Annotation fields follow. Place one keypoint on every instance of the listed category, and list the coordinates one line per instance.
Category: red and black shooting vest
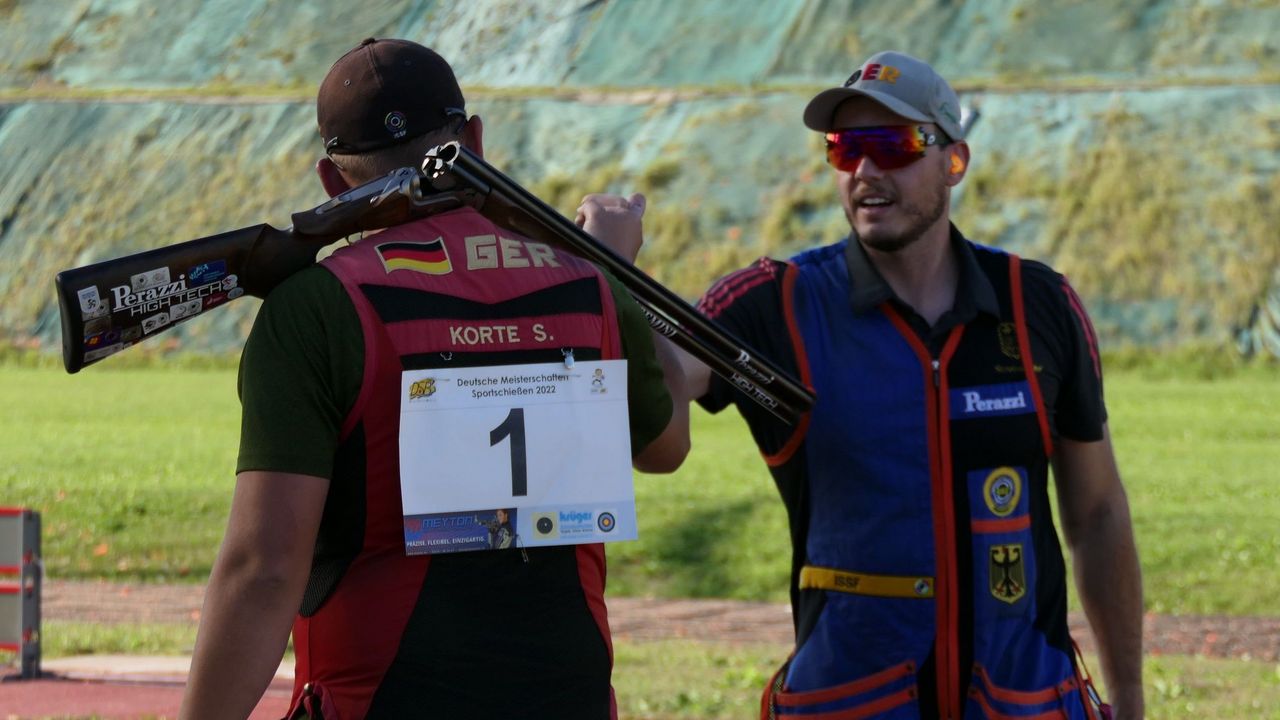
(382, 634)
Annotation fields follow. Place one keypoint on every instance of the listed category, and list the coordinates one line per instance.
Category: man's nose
(867, 169)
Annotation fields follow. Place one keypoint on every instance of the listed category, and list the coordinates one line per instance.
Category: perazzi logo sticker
(975, 403)
(161, 296)
(426, 387)
(1007, 573)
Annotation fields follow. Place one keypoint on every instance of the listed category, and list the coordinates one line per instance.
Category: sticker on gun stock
(149, 279)
(97, 326)
(205, 273)
(179, 311)
(154, 323)
(103, 352)
(91, 305)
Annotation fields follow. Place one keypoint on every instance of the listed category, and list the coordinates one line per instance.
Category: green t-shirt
(303, 364)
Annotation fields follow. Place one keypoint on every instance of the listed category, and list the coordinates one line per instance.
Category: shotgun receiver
(111, 305)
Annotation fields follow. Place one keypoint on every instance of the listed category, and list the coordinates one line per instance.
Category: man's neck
(925, 274)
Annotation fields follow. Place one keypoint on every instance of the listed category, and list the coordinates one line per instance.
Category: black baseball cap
(385, 92)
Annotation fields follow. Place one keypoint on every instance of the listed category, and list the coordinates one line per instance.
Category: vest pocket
(1060, 701)
(885, 695)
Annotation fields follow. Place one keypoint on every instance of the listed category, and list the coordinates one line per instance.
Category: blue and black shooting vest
(929, 526)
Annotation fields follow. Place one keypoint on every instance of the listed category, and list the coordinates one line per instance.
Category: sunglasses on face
(889, 146)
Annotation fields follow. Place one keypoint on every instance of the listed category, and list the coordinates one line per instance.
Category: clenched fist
(615, 221)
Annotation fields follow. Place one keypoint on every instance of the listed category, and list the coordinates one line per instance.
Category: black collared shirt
(974, 294)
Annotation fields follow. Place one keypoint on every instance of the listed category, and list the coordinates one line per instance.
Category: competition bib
(515, 455)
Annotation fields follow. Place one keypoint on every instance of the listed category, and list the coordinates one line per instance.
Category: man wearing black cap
(927, 578)
(318, 538)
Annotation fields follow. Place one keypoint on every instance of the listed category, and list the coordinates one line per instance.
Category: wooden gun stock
(109, 306)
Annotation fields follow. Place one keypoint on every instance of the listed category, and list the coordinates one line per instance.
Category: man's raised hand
(614, 220)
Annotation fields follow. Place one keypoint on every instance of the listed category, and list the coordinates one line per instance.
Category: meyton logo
(426, 387)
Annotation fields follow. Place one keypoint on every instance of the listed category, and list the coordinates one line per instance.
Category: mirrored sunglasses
(889, 146)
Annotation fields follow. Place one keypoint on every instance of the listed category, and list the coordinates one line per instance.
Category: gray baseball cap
(899, 82)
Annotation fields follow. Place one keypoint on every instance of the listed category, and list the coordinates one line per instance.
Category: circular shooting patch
(1002, 491)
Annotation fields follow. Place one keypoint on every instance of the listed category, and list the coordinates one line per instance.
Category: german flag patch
(429, 257)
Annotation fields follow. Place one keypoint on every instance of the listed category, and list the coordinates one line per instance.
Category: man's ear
(331, 177)
(959, 160)
(473, 135)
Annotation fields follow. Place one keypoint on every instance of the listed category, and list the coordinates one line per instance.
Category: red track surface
(116, 700)
(632, 620)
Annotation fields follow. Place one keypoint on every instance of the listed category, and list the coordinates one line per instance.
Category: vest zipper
(942, 489)
(948, 661)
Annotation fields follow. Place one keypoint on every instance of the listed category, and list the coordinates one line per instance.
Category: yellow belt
(898, 586)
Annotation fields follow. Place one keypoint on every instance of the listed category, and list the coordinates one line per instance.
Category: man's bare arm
(254, 592)
(667, 451)
(1095, 520)
(617, 222)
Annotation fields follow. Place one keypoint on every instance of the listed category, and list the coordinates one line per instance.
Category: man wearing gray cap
(927, 577)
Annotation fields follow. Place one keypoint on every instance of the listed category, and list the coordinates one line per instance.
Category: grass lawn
(61, 638)
(1201, 461)
(670, 679)
(132, 468)
(132, 471)
(687, 679)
